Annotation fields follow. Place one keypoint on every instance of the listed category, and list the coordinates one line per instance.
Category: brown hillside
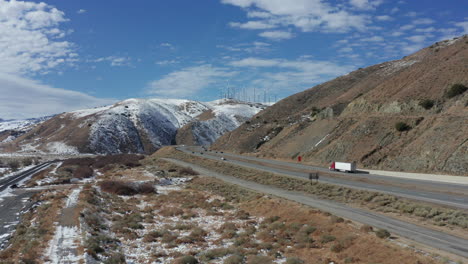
(353, 117)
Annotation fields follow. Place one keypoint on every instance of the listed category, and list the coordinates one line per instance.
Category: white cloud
(397, 34)
(30, 38)
(373, 39)
(189, 81)
(346, 50)
(412, 14)
(306, 15)
(167, 62)
(167, 45)
(254, 47)
(425, 30)
(81, 11)
(406, 27)
(252, 25)
(365, 4)
(423, 21)
(24, 98)
(384, 18)
(417, 38)
(277, 35)
(411, 48)
(293, 75)
(463, 25)
(115, 61)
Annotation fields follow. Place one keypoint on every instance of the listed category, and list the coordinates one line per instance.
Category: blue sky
(60, 55)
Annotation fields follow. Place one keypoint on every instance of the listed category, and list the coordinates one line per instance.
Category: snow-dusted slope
(11, 129)
(226, 115)
(136, 125)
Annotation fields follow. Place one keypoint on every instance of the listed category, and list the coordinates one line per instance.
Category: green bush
(455, 90)
(382, 233)
(427, 104)
(402, 126)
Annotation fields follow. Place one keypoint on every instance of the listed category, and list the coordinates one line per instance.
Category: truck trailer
(343, 166)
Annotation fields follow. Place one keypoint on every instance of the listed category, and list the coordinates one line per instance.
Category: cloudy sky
(58, 56)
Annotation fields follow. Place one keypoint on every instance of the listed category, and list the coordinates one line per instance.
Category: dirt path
(429, 237)
(63, 247)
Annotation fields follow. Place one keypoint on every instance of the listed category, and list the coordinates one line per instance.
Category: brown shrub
(188, 171)
(126, 188)
(171, 211)
(366, 228)
(118, 187)
(146, 188)
(83, 172)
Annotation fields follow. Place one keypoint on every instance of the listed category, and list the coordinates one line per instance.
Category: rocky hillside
(409, 115)
(134, 125)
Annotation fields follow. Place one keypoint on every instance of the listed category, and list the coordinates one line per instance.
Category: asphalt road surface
(4, 184)
(432, 238)
(438, 193)
(15, 203)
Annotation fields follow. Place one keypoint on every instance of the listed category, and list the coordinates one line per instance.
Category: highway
(12, 206)
(445, 194)
(4, 184)
(432, 238)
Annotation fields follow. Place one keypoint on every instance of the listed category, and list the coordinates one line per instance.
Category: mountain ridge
(130, 126)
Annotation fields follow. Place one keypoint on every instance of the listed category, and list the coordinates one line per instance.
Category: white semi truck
(343, 166)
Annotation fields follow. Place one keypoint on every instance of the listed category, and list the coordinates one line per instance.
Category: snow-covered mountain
(135, 125)
(11, 129)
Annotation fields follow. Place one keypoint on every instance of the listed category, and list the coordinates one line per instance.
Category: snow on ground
(63, 247)
(20, 124)
(86, 112)
(73, 198)
(61, 148)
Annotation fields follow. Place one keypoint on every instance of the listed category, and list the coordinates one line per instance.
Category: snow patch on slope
(61, 148)
(229, 115)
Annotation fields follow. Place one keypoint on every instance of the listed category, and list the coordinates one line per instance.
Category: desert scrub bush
(259, 260)
(402, 126)
(337, 247)
(366, 228)
(335, 219)
(171, 211)
(188, 171)
(455, 90)
(153, 236)
(294, 260)
(132, 221)
(186, 260)
(382, 233)
(234, 259)
(83, 172)
(115, 258)
(327, 238)
(427, 104)
(14, 165)
(215, 253)
(126, 188)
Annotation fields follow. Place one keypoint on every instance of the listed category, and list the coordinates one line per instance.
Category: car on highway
(14, 186)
